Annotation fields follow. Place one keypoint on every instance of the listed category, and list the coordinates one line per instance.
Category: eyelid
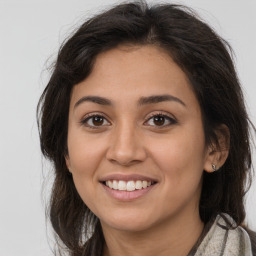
(160, 113)
(86, 117)
(167, 115)
(164, 114)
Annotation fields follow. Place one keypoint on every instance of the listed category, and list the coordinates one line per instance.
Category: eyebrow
(142, 101)
(159, 98)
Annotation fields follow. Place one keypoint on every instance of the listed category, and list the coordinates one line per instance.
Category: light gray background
(31, 32)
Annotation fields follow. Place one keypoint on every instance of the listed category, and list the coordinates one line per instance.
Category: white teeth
(110, 184)
(129, 185)
(144, 184)
(115, 184)
(138, 184)
(121, 185)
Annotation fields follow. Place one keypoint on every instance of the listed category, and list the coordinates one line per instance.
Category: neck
(171, 237)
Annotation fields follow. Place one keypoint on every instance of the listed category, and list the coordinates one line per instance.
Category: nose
(126, 146)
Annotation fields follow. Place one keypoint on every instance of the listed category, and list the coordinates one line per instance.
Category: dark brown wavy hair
(207, 61)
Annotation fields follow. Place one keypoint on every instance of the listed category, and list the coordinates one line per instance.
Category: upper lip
(126, 177)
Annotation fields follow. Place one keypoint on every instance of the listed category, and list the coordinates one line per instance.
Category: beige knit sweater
(223, 241)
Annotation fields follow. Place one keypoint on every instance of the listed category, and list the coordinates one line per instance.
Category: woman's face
(136, 145)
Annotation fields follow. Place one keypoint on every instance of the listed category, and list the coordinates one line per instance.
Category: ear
(217, 153)
(68, 163)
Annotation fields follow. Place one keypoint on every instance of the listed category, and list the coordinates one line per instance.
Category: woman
(145, 123)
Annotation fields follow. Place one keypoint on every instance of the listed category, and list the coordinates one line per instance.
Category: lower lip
(127, 195)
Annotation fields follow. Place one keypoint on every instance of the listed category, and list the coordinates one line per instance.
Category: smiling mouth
(130, 185)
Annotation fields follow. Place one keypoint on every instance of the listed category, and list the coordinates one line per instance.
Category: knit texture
(223, 241)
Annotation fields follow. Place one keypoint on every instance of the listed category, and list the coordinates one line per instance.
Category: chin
(128, 222)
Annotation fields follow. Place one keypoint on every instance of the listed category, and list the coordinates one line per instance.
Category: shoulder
(247, 236)
(252, 236)
(226, 238)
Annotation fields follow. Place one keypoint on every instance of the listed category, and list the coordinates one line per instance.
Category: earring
(214, 167)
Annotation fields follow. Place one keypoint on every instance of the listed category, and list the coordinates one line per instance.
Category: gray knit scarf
(223, 241)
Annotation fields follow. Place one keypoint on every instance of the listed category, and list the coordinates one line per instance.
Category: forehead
(129, 72)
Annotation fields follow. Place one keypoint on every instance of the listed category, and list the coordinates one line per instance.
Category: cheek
(178, 150)
(180, 157)
(85, 156)
(181, 164)
(85, 153)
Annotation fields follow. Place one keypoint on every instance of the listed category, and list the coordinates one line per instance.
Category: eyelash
(169, 118)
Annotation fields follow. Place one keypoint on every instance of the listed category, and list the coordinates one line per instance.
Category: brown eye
(160, 120)
(95, 121)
